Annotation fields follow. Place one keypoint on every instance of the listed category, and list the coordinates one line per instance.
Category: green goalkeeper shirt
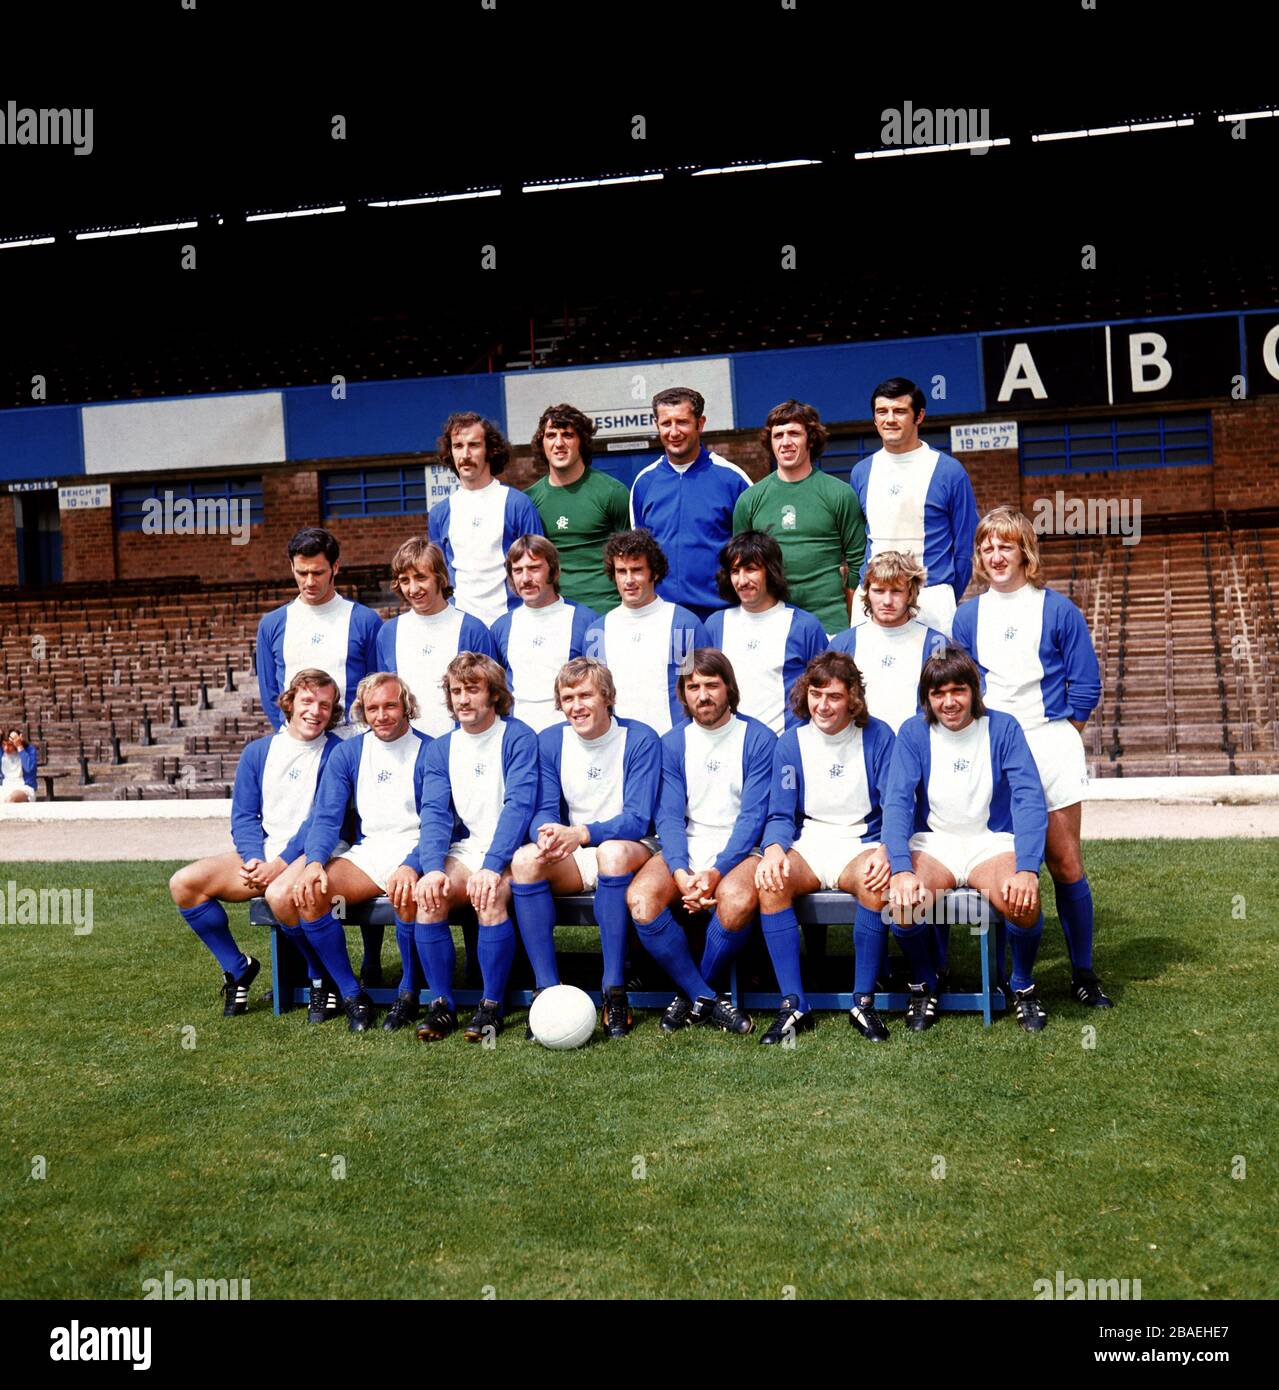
(819, 525)
(579, 518)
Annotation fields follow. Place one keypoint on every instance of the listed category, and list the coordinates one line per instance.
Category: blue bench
(816, 913)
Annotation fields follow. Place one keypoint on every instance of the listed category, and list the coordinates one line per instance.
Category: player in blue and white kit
(964, 808)
(645, 641)
(534, 640)
(594, 826)
(918, 500)
(823, 832)
(717, 768)
(685, 499)
(381, 771)
(767, 640)
(479, 790)
(319, 628)
(1037, 663)
(419, 644)
(890, 649)
(476, 525)
(275, 783)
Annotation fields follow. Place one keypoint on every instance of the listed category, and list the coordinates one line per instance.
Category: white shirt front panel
(755, 644)
(289, 775)
(384, 785)
(318, 635)
(477, 780)
(895, 496)
(424, 646)
(713, 776)
(637, 642)
(836, 792)
(537, 646)
(960, 781)
(11, 769)
(1009, 629)
(889, 659)
(476, 524)
(591, 774)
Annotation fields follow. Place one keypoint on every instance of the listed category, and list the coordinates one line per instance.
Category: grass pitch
(960, 1163)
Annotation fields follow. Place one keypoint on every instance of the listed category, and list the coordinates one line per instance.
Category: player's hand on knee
(482, 888)
(313, 880)
(431, 891)
(878, 873)
(774, 870)
(399, 888)
(1021, 893)
(904, 891)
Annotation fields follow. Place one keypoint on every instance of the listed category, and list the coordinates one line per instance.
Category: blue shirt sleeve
(437, 529)
(1083, 674)
(1029, 809)
(500, 636)
(877, 753)
(963, 528)
(550, 800)
(907, 770)
(584, 619)
(30, 760)
(805, 640)
(757, 781)
(332, 797)
(270, 629)
(519, 772)
(475, 637)
(786, 795)
(437, 818)
(362, 647)
(593, 641)
(386, 645)
(641, 776)
(672, 805)
(246, 801)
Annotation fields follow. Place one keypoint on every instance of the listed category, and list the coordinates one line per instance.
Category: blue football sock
(314, 965)
(209, 922)
(941, 944)
(411, 975)
(1001, 951)
(668, 946)
(722, 949)
(918, 944)
(1025, 944)
(438, 955)
(496, 951)
(1074, 907)
(613, 917)
(329, 943)
(372, 938)
(535, 916)
(781, 936)
(870, 944)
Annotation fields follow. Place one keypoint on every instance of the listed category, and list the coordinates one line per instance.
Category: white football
(562, 1016)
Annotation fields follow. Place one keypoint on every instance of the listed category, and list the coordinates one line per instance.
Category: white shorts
(936, 608)
(703, 851)
(468, 852)
(379, 856)
(828, 851)
(7, 789)
(588, 867)
(1058, 750)
(961, 854)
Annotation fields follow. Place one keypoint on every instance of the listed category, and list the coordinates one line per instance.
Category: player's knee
(641, 904)
(772, 900)
(875, 902)
(1065, 868)
(1024, 920)
(614, 857)
(182, 888)
(735, 908)
(526, 867)
(280, 901)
